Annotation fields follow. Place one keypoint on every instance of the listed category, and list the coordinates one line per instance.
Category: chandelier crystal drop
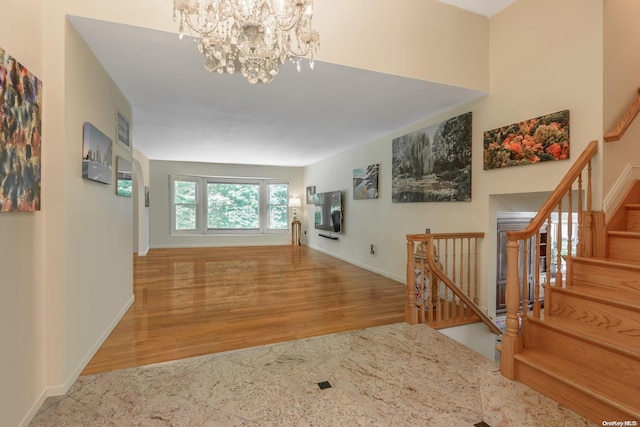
(253, 36)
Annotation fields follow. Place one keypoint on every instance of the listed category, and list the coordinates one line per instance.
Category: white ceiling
(183, 112)
(482, 7)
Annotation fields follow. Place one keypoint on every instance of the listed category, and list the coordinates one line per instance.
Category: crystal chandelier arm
(309, 40)
(187, 8)
(291, 21)
(253, 36)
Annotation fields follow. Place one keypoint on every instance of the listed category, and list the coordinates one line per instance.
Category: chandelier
(255, 36)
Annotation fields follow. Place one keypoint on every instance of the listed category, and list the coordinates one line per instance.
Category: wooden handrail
(415, 311)
(464, 298)
(426, 237)
(557, 195)
(625, 121)
(516, 297)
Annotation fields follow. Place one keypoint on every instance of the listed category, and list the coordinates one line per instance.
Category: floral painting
(365, 183)
(20, 136)
(532, 141)
(433, 164)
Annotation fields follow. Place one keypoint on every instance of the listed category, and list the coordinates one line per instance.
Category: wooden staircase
(584, 350)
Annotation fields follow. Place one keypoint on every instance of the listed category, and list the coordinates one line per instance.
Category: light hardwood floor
(190, 302)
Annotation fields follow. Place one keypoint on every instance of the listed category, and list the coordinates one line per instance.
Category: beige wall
(141, 173)
(621, 83)
(528, 80)
(21, 253)
(159, 213)
(422, 39)
(97, 221)
(68, 274)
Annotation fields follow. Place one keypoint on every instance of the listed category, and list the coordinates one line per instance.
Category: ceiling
(487, 8)
(182, 112)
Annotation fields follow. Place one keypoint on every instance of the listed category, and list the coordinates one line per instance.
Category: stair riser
(624, 248)
(610, 319)
(596, 357)
(610, 277)
(595, 410)
(633, 219)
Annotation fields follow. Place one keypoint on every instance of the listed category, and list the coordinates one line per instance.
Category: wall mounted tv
(328, 211)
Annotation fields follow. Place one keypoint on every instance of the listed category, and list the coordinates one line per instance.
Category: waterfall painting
(365, 183)
(433, 164)
(20, 136)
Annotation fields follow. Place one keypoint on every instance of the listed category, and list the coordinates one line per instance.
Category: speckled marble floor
(395, 375)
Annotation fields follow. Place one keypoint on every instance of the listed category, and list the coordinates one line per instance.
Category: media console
(328, 236)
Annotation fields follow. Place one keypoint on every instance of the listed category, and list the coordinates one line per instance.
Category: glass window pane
(185, 217)
(233, 206)
(278, 217)
(185, 192)
(278, 194)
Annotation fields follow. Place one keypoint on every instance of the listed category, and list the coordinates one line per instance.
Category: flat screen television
(328, 211)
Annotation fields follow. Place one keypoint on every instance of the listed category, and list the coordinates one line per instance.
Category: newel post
(410, 311)
(511, 340)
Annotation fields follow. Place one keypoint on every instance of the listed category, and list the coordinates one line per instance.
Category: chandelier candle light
(254, 35)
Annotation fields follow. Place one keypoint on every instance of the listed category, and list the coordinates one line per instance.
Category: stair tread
(596, 383)
(629, 300)
(632, 206)
(593, 334)
(612, 262)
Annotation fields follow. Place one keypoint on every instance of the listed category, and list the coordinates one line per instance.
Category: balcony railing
(442, 280)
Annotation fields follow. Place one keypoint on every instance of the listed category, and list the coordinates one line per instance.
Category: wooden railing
(571, 196)
(625, 121)
(442, 280)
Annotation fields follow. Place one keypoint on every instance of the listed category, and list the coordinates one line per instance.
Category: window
(277, 211)
(185, 204)
(233, 205)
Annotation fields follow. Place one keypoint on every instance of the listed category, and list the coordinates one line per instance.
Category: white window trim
(172, 187)
(264, 212)
(202, 226)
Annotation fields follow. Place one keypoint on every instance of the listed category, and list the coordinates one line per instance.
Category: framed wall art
(97, 155)
(20, 136)
(124, 176)
(433, 164)
(365, 182)
(529, 142)
(311, 192)
(123, 131)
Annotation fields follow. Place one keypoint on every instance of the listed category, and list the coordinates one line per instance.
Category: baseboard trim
(64, 388)
(31, 413)
(215, 245)
(402, 280)
(619, 189)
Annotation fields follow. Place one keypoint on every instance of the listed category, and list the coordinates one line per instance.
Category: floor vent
(324, 384)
